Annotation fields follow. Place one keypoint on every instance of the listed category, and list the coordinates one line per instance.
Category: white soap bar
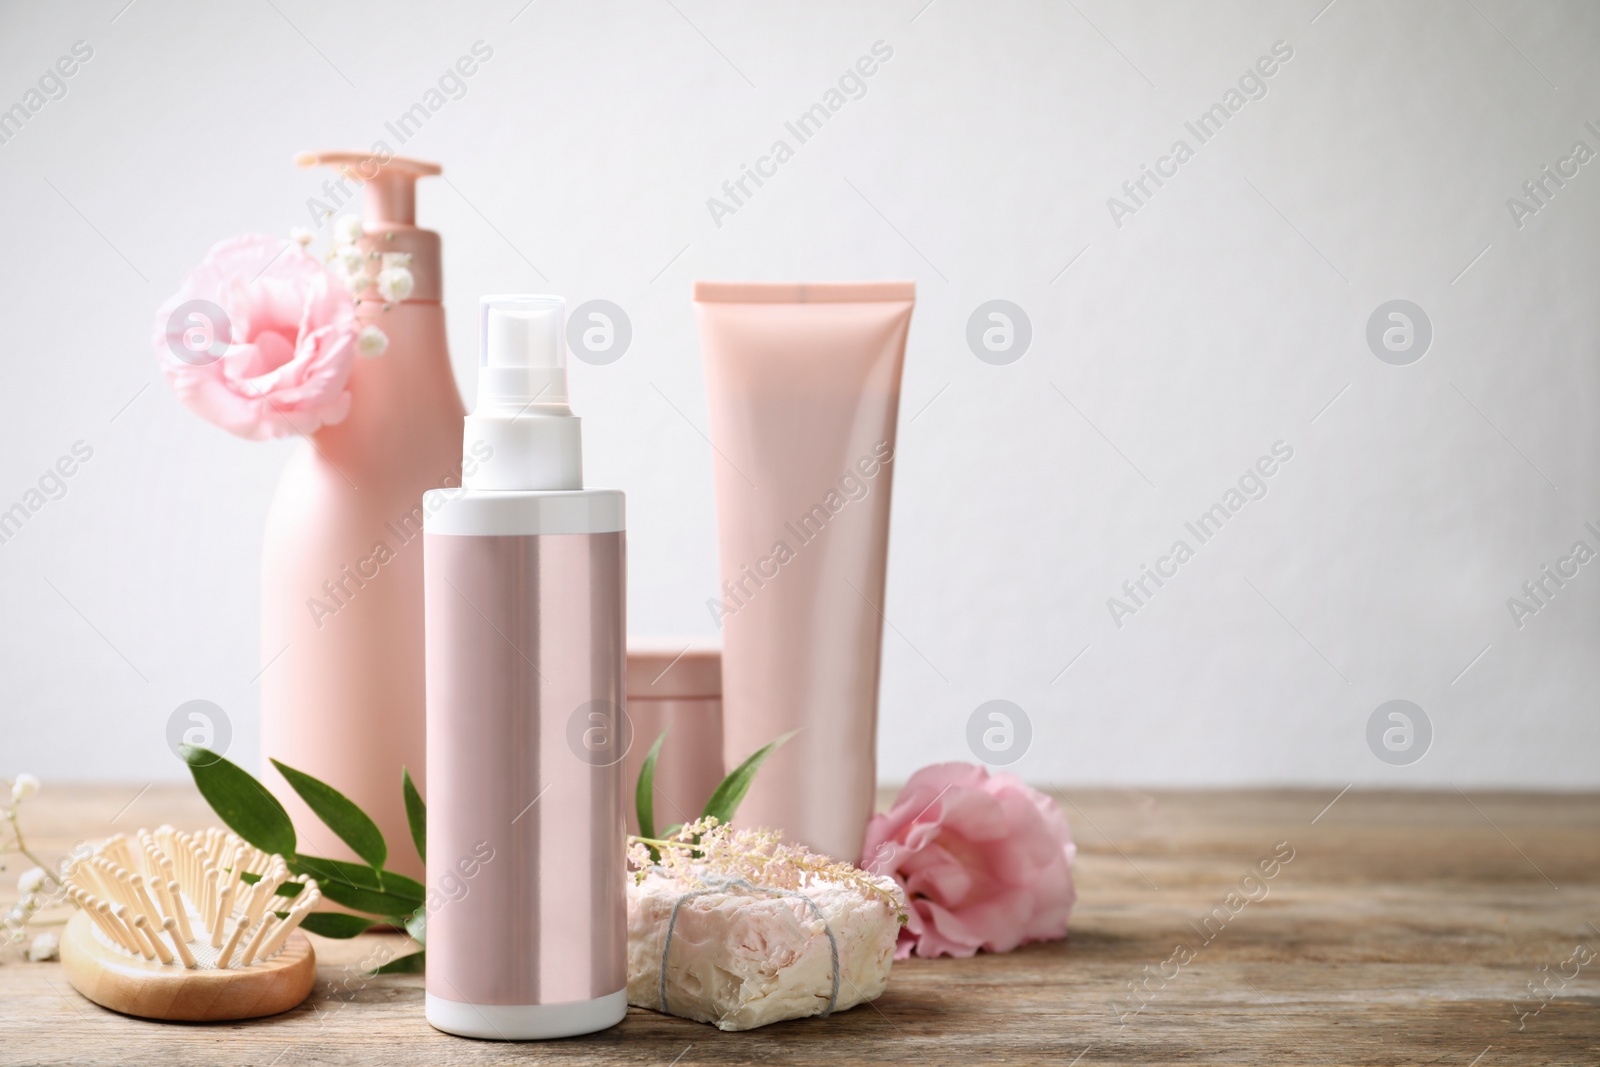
(741, 958)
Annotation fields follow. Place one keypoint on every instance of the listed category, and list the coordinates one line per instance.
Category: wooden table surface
(1407, 928)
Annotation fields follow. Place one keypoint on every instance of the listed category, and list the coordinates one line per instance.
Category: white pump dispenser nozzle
(523, 359)
(522, 435)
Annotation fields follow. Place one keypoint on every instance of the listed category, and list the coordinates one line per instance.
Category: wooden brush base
(150, 990)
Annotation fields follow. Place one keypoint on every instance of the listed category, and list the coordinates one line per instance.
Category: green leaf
(410, 964)
(326, 870)
(644, 794)
(382, 893)
(417, 926)
(339, 813)
(336, 924)
(356, 874)
(725, 799)
(241, 802)
(370, 901)
(399, 884)
(416, 814)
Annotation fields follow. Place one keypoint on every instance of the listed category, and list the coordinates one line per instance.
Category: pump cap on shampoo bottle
(532, 436)
(388, 210)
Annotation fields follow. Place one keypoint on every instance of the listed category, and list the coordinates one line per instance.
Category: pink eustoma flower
(985, 861)
(277, 359)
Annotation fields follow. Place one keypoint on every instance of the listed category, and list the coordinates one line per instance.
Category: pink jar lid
(666, 669)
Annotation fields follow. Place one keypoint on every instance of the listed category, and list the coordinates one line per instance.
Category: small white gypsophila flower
(300, 236)
(348, 230)
(350, 259)
(371, 341)
(31, 880)
(24, 786)
(396, 259)
(395, 284)
(360, 283)
(44, 947)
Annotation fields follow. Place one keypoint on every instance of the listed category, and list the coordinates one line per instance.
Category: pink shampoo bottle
(526, 635)
(341, 567)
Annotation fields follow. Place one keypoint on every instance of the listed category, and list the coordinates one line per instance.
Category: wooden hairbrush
(191, 927)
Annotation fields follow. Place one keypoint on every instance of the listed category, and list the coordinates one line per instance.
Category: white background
(1222, 317)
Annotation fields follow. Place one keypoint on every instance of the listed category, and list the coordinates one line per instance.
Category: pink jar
(679, 690)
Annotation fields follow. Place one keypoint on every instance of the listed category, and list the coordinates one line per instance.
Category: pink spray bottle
(525, 616)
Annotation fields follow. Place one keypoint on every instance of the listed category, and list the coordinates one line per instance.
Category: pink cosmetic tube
(804, 383)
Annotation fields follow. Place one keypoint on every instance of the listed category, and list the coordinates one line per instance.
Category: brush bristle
(184, 899)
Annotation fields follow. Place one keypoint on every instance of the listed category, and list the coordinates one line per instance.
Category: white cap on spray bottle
(522, 415)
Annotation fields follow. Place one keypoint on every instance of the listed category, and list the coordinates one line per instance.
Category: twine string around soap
(741, 883)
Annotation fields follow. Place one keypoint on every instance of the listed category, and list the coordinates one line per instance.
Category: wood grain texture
(1407, 928)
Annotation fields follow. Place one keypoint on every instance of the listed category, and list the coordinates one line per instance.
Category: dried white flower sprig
(387, 273)
(37, 885)
(24, 787)
(347, 230)
(46, 946)
(709, 850)
(394, 279)
(371, 341)
(352, 261)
